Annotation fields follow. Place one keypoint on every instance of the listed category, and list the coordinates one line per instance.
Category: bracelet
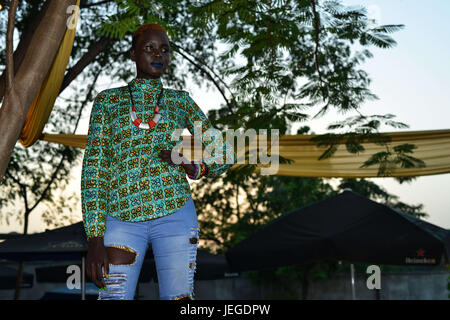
(196, 170)
(199, 172)
(201, 169)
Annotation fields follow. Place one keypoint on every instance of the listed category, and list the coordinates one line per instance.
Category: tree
(282, 42)
(21, 88)
(285, 41)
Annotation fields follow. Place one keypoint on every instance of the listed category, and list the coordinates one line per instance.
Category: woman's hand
(96, 259)
(166, 155)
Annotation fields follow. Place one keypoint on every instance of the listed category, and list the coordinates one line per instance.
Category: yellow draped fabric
(42, 106)
(433, 147)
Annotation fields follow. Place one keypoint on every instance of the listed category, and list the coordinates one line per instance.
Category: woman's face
(151, 54)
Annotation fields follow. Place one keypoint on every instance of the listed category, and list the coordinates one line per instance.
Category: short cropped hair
(144, 28)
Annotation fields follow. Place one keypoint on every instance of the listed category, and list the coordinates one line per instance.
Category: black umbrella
(345, 227)
(66, 243)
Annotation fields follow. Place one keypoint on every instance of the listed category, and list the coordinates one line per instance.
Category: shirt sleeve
(220, 153)
(95, 172)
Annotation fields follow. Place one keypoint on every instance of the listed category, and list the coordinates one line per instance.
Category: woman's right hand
(96, 259)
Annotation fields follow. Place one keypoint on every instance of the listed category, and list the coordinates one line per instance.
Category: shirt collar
(146, 84)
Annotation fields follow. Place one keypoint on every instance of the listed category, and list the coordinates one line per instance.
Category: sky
(410, 79)
(412, 82)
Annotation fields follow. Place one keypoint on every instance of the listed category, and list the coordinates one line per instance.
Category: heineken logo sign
(420, 258)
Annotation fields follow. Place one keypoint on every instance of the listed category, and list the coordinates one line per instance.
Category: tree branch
(9, 45)
(14, 179)
(209, 68)
(316, 51)
(177, 49)
(98, 47)
(83, 4)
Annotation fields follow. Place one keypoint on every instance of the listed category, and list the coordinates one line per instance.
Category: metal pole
(137, 291)
(83, 278)
(352, 271)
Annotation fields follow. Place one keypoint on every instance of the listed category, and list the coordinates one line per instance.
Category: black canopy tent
(66, 243)
(8, 277)
(346, 227)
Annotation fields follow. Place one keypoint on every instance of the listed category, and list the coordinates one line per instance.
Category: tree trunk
(18, 281)
(32, 72)
(20, 270)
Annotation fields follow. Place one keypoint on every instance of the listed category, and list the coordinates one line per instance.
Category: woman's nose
(156, 52)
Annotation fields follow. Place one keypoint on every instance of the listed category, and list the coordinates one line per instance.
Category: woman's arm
(95, 171)
(221, 155)
(189, 168)
(95, 179)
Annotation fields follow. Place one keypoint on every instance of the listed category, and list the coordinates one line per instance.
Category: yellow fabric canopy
(42, 106)
(433, 147)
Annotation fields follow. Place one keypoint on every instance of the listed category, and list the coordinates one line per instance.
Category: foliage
(284, 42)
(281, 43)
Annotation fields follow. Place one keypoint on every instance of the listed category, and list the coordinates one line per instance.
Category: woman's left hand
(166, 155)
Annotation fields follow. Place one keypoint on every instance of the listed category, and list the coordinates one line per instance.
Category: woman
(133, 193)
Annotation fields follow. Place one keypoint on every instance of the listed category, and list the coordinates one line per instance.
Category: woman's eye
(150, 47)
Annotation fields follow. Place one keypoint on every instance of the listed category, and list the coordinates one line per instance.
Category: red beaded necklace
(138, 122)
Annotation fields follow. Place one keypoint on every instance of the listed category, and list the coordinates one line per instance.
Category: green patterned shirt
(121, 175)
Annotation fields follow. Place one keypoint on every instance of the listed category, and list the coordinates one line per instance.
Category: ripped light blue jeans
(174, 241)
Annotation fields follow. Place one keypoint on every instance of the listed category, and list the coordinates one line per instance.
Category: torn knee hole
(193, 240)
(118, 254)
